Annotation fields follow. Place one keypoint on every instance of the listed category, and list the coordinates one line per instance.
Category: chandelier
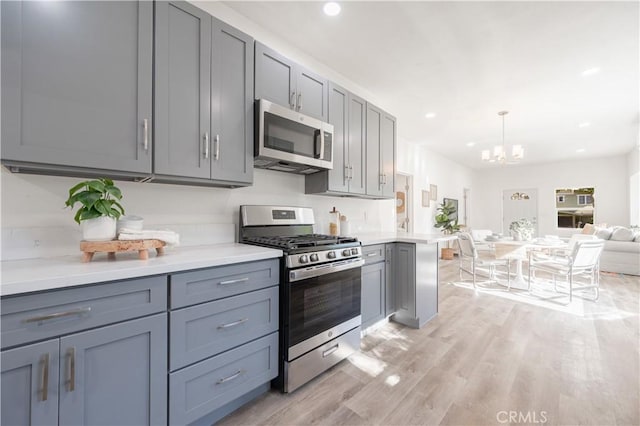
(500, 151)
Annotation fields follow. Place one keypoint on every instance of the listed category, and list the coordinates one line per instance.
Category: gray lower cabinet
(203, 98)
(373, 293)
(282, 81)
(347, 114)
(224, 339)
(77, 86)
(380, 155)
(104, 361)
(390, 295)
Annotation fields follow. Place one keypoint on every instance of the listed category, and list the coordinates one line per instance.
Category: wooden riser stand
(89, 248)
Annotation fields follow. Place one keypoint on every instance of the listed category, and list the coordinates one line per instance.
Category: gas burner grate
(300, 241)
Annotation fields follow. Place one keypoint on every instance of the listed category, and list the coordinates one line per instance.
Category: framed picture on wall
(453, 216)
(433, 192)
(425, 198)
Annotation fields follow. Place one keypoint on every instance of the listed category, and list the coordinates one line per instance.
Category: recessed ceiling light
(591, 71)
(471, 144)
(331, 8)
(580, 150)
(430, 115)
(585, 124)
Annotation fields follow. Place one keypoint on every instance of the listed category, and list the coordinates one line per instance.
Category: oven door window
(289, 136)
(319, 303)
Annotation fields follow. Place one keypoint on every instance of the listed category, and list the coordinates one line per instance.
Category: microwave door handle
(321, 144)
(317, 141)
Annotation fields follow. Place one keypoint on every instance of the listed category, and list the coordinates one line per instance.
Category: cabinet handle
(299, 103)
(71, 368)
(42, 318)
(351, 172)
(292, 100)
(346, 174)
(145, 131)
(384, 179)
(233, 324)
(380, 183)
(372, 254)
(330, 351)
(239, 280)
(231, 377)
(45, 376)
(206, 144)
(216, 154)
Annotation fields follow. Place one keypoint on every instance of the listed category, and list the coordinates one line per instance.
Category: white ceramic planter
(99, 229)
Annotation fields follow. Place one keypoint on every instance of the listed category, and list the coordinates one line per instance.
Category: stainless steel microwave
(291, 142)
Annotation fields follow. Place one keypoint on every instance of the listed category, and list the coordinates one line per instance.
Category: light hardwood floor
(483, 359)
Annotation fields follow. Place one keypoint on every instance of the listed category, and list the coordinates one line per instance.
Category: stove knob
(303, 259)
(354, 251)
(331, 255)
(346, 252)
(313, 257)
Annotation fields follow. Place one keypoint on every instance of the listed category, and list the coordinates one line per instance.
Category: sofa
(621, 248)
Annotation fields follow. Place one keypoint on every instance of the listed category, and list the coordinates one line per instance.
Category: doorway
(519, 204)
(404, 203)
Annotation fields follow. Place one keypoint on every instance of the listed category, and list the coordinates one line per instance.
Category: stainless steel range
(319, 291)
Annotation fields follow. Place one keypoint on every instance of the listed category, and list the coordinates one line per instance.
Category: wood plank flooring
(488, 358)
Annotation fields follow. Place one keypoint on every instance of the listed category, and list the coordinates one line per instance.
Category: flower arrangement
(522, 229)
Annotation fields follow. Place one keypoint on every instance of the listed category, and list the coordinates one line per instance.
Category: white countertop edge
(31, 275)
(391, 237)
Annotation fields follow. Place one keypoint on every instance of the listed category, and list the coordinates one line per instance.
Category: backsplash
(36, 224)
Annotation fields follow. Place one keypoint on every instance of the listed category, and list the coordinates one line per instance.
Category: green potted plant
(522, 229)
(445, 220)
(99, 208)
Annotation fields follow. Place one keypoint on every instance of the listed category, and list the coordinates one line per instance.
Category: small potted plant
(444, 219)
(99, 208)
(522, 229)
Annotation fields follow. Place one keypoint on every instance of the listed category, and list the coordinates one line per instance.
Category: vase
(516, 236)
(101, 228)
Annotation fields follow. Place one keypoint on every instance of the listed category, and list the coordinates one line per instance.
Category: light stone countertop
(368, 239)
(23, 276)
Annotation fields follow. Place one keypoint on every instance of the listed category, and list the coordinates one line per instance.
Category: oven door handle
(330, 268)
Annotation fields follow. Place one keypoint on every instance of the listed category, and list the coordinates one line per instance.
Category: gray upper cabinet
(347, 114)
(381, 140)
(204, 97)
(232, 104)
(182, 90)
(284, 82)
(77, 85)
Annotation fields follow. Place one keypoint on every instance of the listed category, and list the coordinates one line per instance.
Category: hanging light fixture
(499, 153)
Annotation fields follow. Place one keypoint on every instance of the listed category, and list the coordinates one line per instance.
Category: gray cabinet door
(357, 144)
(405, 274)
(76, 84)
(275, 77)
(339, 117)
(311, 93)
(115, 375)
(232, 104)
(390, 279)
(373, 293)
(182, 91)
(374, 133)
(387, 154)
(30, 384)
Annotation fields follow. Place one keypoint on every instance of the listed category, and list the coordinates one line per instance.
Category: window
(574, 207)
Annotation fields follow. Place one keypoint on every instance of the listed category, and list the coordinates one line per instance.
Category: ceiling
(465, 61)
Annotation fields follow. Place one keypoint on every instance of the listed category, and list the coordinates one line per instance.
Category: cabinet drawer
(205, 330)
(58, 312)
(202, 388)
(189, 288)
(373, 254)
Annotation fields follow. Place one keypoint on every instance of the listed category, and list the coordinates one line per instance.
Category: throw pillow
(620, 233)
(588, 229)
(603, 233)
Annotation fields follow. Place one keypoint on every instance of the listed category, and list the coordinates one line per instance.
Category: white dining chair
(478, 259)
(582, 261)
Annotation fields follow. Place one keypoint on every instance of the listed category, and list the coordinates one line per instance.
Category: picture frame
(425, 198)
(433, 192)
(453, 201)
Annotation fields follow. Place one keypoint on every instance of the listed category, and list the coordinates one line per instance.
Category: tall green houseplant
(444, 218)
(97, 198)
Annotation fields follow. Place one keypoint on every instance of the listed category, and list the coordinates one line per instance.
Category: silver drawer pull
(48, 317)
(45, 376)
(231, 377)
(239, 280)
(372, 254)
(233, 324)
(71, 368)
(145, 131)
(330, 351)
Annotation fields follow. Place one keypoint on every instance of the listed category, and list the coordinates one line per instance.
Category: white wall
(633, 171)
(607, 175)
